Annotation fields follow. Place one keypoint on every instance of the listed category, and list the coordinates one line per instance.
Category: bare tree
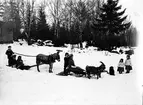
(26, 13)
(6, 15)
(11, 13)
(22, 10)
(55, 8)
(81, 13)
(68, 14)
(94, 11)
(15, 16)
(75, 13)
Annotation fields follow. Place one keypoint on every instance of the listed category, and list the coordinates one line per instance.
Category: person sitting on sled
(20, 64)
(73, 68)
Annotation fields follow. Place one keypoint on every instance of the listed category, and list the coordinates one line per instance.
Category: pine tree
(111, 23)
(28, 20)
(42, 26)
(33, 26)
(42, 18)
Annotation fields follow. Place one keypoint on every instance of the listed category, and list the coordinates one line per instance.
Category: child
(66, 60)
(121, 66)
(9, 54)
(19, 64)
(71, 63)
(128, 65)
(13, 61)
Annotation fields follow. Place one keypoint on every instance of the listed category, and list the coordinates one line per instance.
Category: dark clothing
(128, 68)
(66, 61)
(120, 69)
(111, 71)
(77, 70)
(10, 62)
(9, 54)
(25, 67)
(19, 63)
(13, 62)
(71, 63)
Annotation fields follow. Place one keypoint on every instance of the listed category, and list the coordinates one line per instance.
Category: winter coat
(121, 64)
(13, 61)
(19, 63)
(128, 62)
(9, 53)
(71, 63)
(66, 61)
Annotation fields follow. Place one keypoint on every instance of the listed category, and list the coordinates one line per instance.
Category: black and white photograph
(71, 52)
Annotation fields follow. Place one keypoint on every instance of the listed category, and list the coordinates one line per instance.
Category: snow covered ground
(30, 87)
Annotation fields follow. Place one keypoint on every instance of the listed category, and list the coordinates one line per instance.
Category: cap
(9, 46)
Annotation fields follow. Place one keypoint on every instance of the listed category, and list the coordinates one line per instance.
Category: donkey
(47, 59)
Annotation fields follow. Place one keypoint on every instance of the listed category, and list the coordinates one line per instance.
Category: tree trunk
(80, 35)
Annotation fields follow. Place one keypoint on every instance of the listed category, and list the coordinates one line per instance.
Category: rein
(24, 55)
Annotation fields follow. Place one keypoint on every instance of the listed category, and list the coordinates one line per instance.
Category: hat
(9, 46)
(71, 55)
(66, 53)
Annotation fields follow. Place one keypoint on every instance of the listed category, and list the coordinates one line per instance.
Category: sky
(135, 11)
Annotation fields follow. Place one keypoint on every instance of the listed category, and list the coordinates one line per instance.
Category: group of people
(68, 63)
(13, 62)
(127, 65)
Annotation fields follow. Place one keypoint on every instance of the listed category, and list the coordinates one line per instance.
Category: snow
(30, 87)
